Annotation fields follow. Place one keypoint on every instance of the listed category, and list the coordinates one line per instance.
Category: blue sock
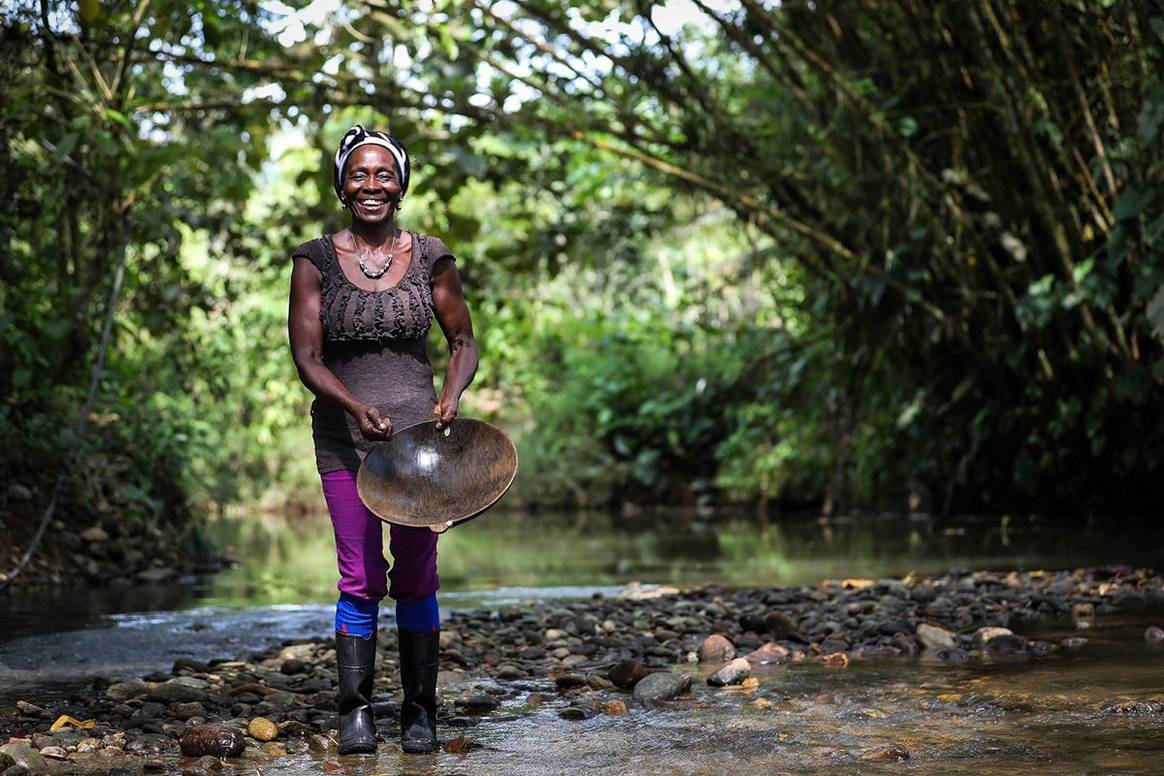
(422, 615)
(356, 616)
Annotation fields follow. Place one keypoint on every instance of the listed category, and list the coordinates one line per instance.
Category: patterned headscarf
(358, 136)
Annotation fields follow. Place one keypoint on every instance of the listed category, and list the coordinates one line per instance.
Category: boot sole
(419, 747)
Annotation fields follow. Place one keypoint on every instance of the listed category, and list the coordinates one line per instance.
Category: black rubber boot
(356, 659)
(418, 676)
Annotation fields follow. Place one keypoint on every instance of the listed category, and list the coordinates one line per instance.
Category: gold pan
(427, 477)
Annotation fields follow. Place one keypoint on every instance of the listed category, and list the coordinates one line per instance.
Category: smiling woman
(362, 302)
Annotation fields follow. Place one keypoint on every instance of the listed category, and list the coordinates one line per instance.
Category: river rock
(778, 625)
(1154, 635)
(25, 755)
(213, 740)
(661, 686)
(94, 535)
(934, 637)
(1005, 646)
(887, 754)
(716, 649)
(6, 761)
(262, 729)
(155, 576)
(16, 770)
(293, 666)
(321, 744)
(614, 708)
(983, 635)
(627, 673)
(733, 673)
(769, 654)
(184, 689)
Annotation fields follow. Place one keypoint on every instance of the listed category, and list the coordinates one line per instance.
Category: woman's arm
(453, 315)
(306, 332)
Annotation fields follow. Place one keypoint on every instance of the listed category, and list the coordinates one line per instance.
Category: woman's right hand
(373, 426)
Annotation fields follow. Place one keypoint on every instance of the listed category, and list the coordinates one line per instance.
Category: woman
(362, 302)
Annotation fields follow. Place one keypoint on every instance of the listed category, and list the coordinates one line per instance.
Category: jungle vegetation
(830, 254)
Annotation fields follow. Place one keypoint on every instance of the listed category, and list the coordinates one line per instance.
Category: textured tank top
(374, 342)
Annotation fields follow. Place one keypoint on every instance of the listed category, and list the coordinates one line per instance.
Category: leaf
(65, 719)
(1156, 312)
(1132, 202)
(88, 11)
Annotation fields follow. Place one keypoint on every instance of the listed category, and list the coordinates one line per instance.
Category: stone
(94, 534)
(189, 664)
(155, 576)
(887, 754)
(321, 744)
(566, 681)
(24, 755)
(16, 770)
(661, 686)
(509, 672)
(732, 673)
(293, 666)
(54, 753)
(934, 637)
(449, 637)
(212, 740)
(769, 654)
(180, 690)
(626, 673)
(983, 635)
(477, 702)
(262, 729)
(154, 764)
(614, 708)
(1074, 642)
(716, 649)
(1154, 635)
(1005, 646)
(779, 626)
(6, 761)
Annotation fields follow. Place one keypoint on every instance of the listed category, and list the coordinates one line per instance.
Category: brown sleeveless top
(374, 342)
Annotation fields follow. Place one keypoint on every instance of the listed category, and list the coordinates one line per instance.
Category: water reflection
(290, 561)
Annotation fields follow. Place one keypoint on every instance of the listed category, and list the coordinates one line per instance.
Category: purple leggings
(359, 548)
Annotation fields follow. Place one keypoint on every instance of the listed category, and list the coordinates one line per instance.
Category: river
(1037, 714)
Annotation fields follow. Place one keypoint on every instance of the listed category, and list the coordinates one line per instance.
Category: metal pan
(427, 477)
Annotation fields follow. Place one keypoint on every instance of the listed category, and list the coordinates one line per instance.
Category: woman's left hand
(445, 410)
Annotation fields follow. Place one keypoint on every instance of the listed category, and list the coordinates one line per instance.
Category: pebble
(627, 673)
(262, 729)
(661, 686)
(983, 635)
(25, 755)
(770, 653)
(716, 649)
(934, 637)
(614, 708)
(888, 754)
(1154, 635)
(732, 673)
(123, 691)
(212, 740)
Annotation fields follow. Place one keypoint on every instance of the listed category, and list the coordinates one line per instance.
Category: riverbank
(101, 553)
(602, 661)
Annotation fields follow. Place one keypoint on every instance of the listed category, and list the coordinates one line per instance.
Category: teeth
(371, 202)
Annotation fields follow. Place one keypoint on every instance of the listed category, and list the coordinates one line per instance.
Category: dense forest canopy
(889, 255)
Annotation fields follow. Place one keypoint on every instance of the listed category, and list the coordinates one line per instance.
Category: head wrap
(358, 136)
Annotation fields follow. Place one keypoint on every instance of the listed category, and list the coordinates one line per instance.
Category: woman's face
(372, 184)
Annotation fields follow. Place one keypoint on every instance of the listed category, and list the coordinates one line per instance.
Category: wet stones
(627, 673)
(934, 637)
(769, 654)
(661, 686)
(212, 740)
(887, 754)
(716, 649)
(262, 729)
(123, 691)
(183, 689)
(732, 673)
(23, 755)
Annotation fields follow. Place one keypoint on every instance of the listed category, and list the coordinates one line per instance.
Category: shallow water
(1041, 716)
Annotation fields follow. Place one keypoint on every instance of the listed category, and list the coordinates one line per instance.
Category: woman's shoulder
(315, 250)
(433, 248)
